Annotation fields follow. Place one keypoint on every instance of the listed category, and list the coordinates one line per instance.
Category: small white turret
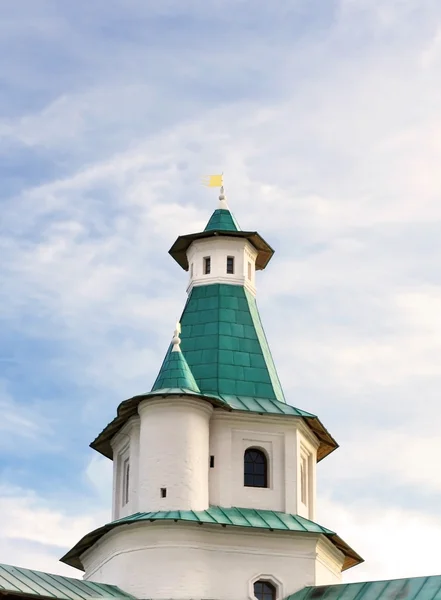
(174, 439)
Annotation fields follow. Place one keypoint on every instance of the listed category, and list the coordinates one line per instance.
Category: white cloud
(394, 542)
(374, 456)
(24, 423)
(35, 535)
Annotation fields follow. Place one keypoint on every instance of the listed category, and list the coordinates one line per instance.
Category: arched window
(264, 590)
(255, 468)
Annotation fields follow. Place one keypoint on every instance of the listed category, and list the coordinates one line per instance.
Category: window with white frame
(207, 265)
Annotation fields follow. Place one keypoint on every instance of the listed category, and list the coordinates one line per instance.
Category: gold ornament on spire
(213, 180)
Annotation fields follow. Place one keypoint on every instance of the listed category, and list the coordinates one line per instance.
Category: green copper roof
(413, 588)
(225, 345)
(261, 406)
(175, 373)
(24, 582)
(222, 220)
(215, 515)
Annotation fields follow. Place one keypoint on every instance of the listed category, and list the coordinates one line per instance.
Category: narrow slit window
(125, 481)
(249, 270)
(211, 462)
(207, 265)
(163, 492)
(304, 480)
(191, 270)
(230, 265)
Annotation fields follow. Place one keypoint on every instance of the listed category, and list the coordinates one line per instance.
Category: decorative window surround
(125, 480)
(275, 583)
(125, 445)
(306, 487)
(231, 436)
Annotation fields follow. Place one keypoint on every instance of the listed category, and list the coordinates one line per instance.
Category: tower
(214, 472)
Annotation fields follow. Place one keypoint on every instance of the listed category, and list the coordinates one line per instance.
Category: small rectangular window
(304, 480)
(191, 270)
(207, 265)
(249, 270)
(211, 462)
(125, 481)
(163, 492)
(230, 265)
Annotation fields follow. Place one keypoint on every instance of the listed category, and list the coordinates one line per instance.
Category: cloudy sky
(325, 117)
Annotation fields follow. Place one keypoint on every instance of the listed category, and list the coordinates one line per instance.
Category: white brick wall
(175, 560)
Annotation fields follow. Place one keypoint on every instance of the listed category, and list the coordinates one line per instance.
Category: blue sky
(325, 118)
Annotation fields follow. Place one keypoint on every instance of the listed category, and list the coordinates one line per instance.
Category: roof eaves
(129, 408)
(179, 248)
(216, 515)
(327, 443)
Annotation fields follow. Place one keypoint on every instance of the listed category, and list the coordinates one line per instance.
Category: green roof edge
(412, 588)
(217, 515)
(22, 582)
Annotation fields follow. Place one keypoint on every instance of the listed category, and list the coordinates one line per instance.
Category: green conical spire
(175, 372)
(225, 345)
(222, 219)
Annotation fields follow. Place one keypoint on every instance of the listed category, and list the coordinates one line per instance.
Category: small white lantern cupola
(222, 253)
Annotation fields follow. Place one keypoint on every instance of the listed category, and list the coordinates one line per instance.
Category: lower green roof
(226, 517)
(413, 588)
(27, 583)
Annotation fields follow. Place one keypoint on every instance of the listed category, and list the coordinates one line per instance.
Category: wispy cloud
(36, 534)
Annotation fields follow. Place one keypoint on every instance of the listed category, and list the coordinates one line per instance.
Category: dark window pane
(264, 590)
(207, 265)
(230, 264)
(255, 468)
(249, 480)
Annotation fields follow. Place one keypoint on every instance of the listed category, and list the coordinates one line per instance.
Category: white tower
(214, 473)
